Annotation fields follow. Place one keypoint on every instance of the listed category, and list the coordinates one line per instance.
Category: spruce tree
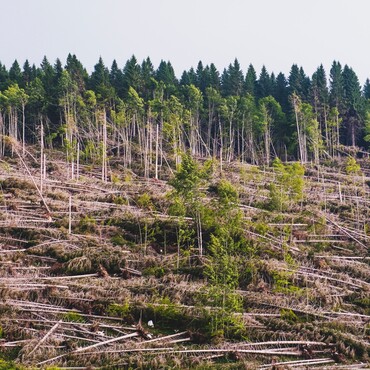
(188, 77)
(77, 72)
(366, 89)
(203, 77)
(281, 92)
(214, 77)
(166, 74)
(305, 84)
(232, 80)
(320, 101)
(131, 75)
(4, 77)
(354, 105)
(116, 79)
(15, 73)
(336, 86)
(147, 80)
(100, 84)
(27, 74)
(264, 86)
(250, 81)
(294, 81)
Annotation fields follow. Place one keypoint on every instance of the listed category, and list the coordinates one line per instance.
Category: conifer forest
(215, 220)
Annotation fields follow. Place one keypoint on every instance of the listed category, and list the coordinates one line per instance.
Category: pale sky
(276, 33)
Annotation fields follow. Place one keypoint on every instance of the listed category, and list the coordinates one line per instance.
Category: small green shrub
(120, 310)
(86, 224)
(144, 201)
(119, 200)
(283, 284)
(352, 167)
(156, 271)
(288, 315)
(5, 365)
(115, 178)
(73, 316)
(118, 240)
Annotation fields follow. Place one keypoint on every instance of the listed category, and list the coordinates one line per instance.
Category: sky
(274, 33)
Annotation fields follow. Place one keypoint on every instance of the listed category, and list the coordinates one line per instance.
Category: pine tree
(148, 82)
(250, 81)
(320, 102)
(200, 75)
(131, 75)
(264, 86)
(4, 77)
(166, 74)
(336, 86)
(273, 84)
(77, 72)
(294, 80)
(15, 73)
(99, 82)
(214, 77)
(354, 104)
(188, 77)
(116, 79)
(49, 80)
(305, 84)
(232, 80)
(281, 92)
(47, 76)
(203, 78)
(58, 69)
(366, 89)
(27, 74)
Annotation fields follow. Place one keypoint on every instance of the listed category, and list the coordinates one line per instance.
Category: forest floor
(95, 274)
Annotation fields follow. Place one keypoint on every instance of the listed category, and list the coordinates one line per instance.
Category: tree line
(139, 113)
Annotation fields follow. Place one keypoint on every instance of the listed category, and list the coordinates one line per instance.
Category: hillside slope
(241, 269)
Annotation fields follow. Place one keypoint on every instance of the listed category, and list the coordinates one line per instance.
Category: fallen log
(310, 362)
(83, 349)
(46, 336)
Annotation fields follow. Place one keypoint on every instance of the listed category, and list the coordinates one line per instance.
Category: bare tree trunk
(70, 215)
(199, 232)
(220, 128)
(78, 161)
(338, 141)
(23, 131)
(157, 150)
(2, 133)
(353, 136)
(41, 154)
(44, 169)
(301, 140)
(104, 149)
